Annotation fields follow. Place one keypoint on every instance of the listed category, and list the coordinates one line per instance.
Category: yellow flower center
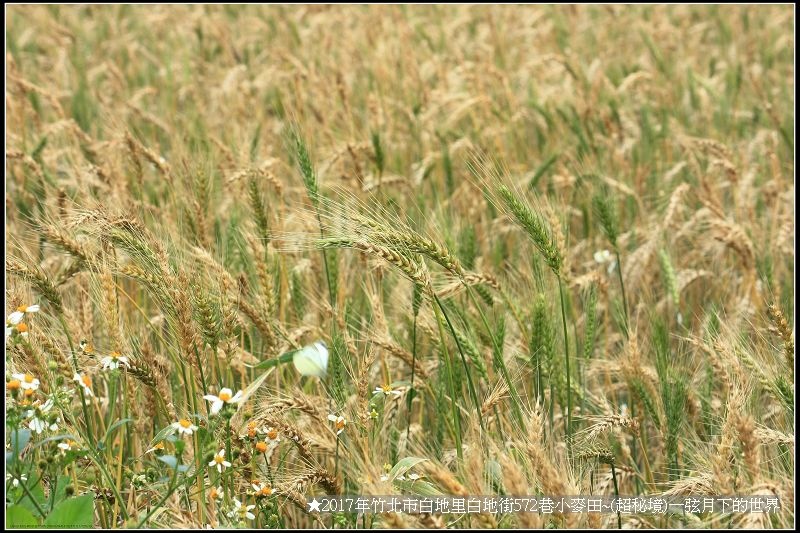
(22, 308)
(214, 494)
(387, 388)
(115, 355)
(14, 384)
(22, 328)
(28, 378)
(184, 423)
(218, 459)
(224, 396)
(266, 491)
(261, 447)
(29, 392)
(272, 434)
(340, 423)
(86, 380)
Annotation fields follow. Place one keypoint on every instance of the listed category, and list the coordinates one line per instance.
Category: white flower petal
(15, 317)
(37, 425)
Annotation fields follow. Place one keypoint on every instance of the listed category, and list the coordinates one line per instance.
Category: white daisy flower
(15, 480)
(312, 360)
(38, 425)
(339, 423)
(67, 445)
(17, 316)
(114, 360)
(225, 396)
(184, 427)
(84, 381)
(27, 381)
(242, 511)
(387, 390)
(219, 461)
(37, 422)
(260, 489)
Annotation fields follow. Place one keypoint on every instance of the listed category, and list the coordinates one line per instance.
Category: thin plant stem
(616, 493)
(515, 403)
(624, 298)
(470, 384)
(413, 369)
(566, 359)
(453, 394)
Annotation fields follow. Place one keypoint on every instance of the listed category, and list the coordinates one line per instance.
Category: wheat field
(256, 254)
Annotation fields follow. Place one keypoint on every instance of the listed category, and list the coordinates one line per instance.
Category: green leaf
(74, 512)
(169, 460)
(42, 442)
(114, 426)
(544, 167)
(247, 392)
(163, 434)
(404, 465)
(61, 491)
(283, 358)
(38, 494)
(18, 516)
(18, 438)
(172, 462)
(418, 488)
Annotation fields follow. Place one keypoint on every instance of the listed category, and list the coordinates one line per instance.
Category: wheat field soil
(260, 254)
